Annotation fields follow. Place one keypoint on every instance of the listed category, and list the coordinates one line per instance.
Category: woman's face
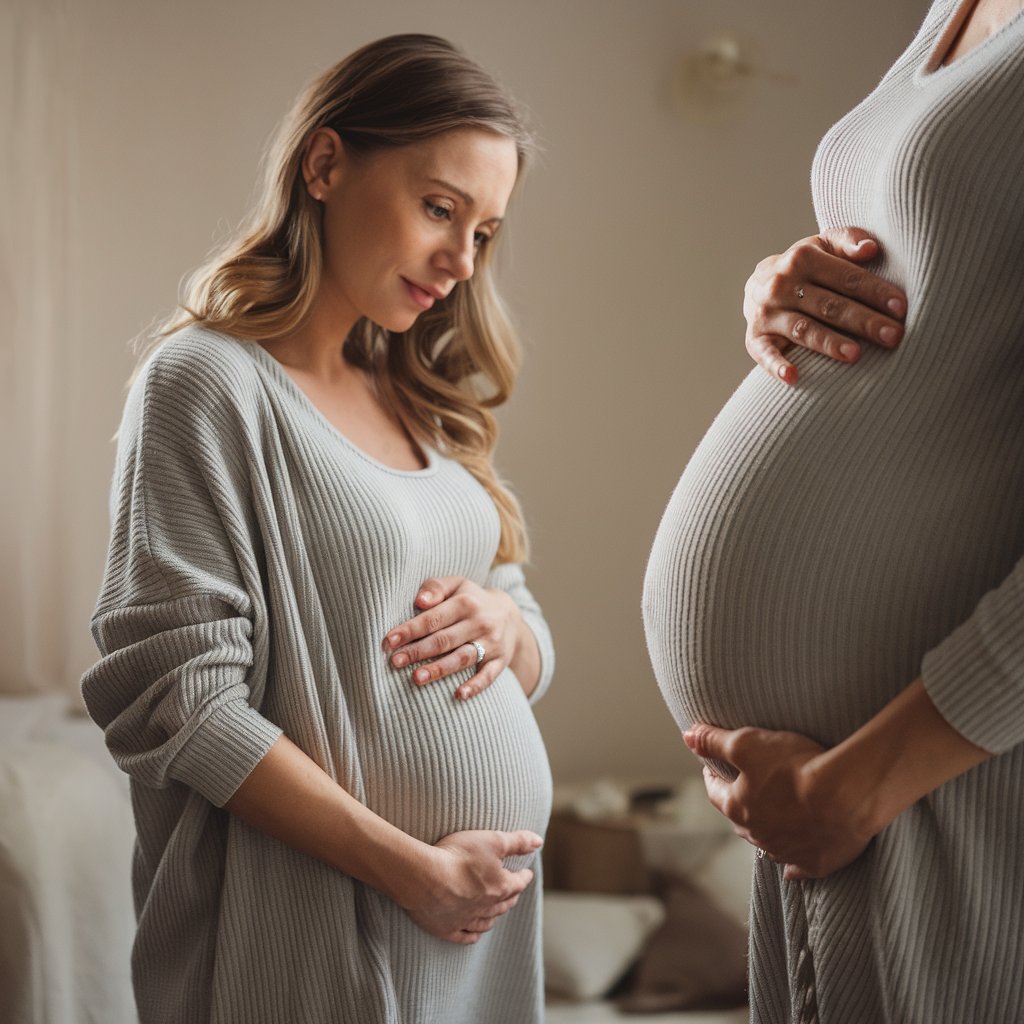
(403, 226)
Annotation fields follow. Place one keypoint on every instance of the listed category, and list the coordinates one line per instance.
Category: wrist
(845, 788)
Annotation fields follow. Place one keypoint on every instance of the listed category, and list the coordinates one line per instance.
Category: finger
(462, 938)
(851, 242)
(437, 589)
(718, 790)
(810, 333)
(710, 741)
(518, 844)
(482, 678)
(443, 615)
(446, 640)
(850, 316)
(838, 274)
(503, 907)
(766, 351)
(463, 657)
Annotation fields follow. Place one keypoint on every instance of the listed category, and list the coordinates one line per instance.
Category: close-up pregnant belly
(819, 542)
(434, 765)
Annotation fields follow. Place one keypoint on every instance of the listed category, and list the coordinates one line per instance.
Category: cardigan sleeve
(177, 686)
(510, 578)
(975, 676)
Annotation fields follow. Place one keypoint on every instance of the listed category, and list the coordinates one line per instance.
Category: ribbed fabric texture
(257, 561)
(829, 543)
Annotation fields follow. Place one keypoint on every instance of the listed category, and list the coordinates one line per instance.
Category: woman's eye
(437, 211)
(480, 239)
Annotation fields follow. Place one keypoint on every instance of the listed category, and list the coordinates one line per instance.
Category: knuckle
(433, 622)
(832, 307)
(852, 279)
(777, 287)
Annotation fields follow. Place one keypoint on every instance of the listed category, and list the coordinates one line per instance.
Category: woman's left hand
(457, 614)
(777, 801)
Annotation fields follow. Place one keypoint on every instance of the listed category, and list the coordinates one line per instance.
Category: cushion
(697, 959)
(591, 940)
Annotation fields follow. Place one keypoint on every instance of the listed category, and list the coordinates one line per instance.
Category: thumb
(518, 844)
(851, 243)
(707, 740)
(437, 589)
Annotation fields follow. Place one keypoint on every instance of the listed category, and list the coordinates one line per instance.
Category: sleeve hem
(223, 751)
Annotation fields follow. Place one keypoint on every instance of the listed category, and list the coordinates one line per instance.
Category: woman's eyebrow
(464, 196)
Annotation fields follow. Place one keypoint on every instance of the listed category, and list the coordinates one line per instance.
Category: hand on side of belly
(771, 800)
(469, 888)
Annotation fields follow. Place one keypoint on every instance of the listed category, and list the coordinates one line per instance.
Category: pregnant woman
(835, 598)
(318, 650)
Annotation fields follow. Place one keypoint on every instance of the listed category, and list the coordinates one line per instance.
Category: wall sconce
(710, 77)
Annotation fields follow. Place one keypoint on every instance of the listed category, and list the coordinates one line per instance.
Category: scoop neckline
(297, 393)
(933, 65)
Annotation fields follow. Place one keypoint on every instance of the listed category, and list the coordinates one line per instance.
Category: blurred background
(677, 139)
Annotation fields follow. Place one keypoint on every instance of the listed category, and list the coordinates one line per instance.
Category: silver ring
(480, 652)
(799, 293)
(760, 853)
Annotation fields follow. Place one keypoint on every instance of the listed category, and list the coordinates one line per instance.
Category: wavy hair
(460, 359)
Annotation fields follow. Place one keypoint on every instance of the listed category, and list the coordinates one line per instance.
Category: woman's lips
(419, 295)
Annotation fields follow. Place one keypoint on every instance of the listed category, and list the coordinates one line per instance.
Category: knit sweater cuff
(221, 753)
(975, 677)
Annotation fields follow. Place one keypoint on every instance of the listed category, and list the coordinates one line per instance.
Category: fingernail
(890, 335)
(861, 244)
(400, 660)
(895, 306)
(421, 675)
(393, 640)
(848, 350)
(424, 595)
(463, 693)
(783, 372)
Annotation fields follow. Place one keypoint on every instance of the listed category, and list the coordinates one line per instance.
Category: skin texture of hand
(439, 641)
(468, 888)
(773, 802)
(815, 295)
(816, 810)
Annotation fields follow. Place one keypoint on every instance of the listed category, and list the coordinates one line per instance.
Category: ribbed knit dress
(830, 542)
(257, 561)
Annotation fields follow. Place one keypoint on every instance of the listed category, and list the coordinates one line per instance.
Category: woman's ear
(321, 162)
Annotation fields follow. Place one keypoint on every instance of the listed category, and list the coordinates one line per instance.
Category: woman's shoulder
(196, 376)
(196, 360)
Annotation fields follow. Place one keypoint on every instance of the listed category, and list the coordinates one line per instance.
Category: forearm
(525, 662)
(903, 753)
(288, 796)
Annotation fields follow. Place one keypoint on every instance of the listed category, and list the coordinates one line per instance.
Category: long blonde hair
(460, 359)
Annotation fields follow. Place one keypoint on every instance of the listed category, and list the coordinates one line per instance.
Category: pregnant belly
(435, 765)
(819, 542)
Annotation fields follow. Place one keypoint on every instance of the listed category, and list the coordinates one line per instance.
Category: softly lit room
(674, 141)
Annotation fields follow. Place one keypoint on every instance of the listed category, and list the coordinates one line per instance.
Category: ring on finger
(800, 292)
(480, 652)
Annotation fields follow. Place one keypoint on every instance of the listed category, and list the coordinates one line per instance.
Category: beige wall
(630, 246)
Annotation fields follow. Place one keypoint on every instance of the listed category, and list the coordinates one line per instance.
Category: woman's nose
(459, 257)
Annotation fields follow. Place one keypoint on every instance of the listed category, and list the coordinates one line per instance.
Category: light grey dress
(829, 543)
(256, 563)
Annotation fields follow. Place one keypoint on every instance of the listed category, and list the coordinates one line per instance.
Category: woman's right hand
(816, 296)
(467, 887)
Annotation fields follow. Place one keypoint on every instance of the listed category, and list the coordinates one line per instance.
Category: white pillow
(727, 876)
(591, 940)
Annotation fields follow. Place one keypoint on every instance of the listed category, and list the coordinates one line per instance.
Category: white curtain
(39, 357)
